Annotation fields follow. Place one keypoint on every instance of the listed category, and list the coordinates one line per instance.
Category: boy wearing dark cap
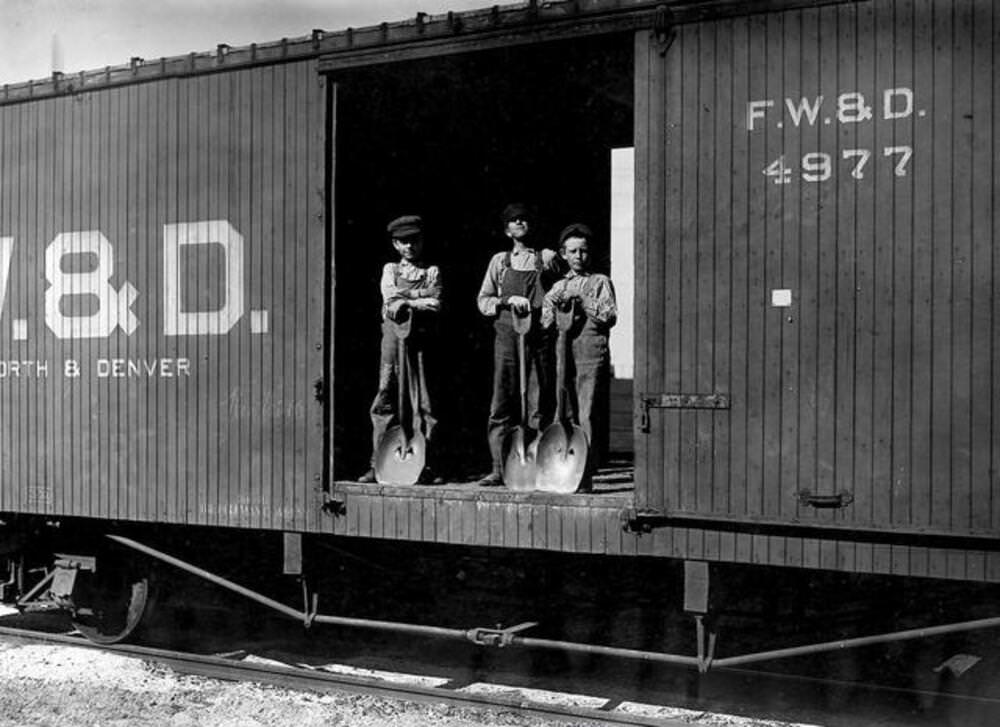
(515, 284)
(409, 287)
(588, 364)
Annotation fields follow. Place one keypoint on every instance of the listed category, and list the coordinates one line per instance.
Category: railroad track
(232, 667)
(240, 665)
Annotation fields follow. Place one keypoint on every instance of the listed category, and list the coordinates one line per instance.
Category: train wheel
(110, 605)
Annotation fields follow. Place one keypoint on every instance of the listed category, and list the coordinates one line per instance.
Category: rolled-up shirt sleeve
(600, 304)
(432, 284)
(489, 299)
(549, 304)
(390, 291)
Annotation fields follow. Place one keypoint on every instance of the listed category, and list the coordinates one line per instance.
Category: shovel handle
(522, 323)
(566, 316)
(402, 328)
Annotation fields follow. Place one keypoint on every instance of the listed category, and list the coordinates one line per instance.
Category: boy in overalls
(588, 364)
(409, 287)
(515, 283)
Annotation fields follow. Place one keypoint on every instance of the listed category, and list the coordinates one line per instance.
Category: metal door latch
(678, 401)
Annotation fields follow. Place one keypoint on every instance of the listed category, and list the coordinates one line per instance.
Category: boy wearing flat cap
(409, 287)
(515, 284)
(595, 311)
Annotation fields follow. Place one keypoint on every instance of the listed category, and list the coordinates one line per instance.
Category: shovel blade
(562, 458)
(519, 469)
(400, 459)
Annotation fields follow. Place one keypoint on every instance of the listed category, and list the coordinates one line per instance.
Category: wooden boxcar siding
(575, 524)
(593, 524)
(238, 441)
(881, 378)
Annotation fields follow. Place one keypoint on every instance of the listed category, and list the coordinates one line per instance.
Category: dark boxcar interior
(454, 139)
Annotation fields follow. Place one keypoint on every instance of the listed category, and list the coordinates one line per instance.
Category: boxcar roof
(493, 23)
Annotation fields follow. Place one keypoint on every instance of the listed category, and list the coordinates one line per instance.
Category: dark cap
(516, 211)
(405, 226)
(577, 229)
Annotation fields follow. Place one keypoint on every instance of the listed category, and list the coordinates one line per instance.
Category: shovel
(563, 448)
(519, 467)
(402, 449)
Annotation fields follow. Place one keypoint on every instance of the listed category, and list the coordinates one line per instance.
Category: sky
(78, 35)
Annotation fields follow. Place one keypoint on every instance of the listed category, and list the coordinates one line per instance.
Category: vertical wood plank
(539, 526)
(962, 153)
(922, 333)
(788, 275)
(808, 305)
(683, 232)
(902, 475)
(743, 173)
(872, 474)
(510, 516)
(706, 345)
(982, 196)
(762, 150)
(667, 351)
(770, 276)
(429, 519)
(651, 138)
(728, 175)
(415, 526)
(942, 259)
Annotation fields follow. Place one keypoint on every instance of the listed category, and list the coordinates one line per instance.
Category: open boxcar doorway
(454, 139)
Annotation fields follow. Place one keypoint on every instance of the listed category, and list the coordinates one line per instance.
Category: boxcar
(796, 198)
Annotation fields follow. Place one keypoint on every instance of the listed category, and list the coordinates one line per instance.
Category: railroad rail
(229, 666)
(311, 679)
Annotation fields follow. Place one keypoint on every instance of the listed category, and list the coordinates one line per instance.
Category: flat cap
(577, 229)
(516, 211)
(405, 226)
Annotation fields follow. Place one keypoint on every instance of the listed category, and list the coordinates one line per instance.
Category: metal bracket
(309, 611)
(706, 645)
(678, 401)
(663, 27)
(56, 586)
(499, 637)
(641, 521)
(334, 506)
(11, 582)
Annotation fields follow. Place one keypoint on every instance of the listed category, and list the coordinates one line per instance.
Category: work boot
(368, 477)
(493, 479)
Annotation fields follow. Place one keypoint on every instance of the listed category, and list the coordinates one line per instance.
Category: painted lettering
(756, 110)
(890, 109)
(121, 368)
(6, 248)
(113, 307)
(187, 323)
(851, 108)
(803, 108)
(28, 369)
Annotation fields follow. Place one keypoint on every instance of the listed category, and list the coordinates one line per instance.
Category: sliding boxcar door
(815, 253)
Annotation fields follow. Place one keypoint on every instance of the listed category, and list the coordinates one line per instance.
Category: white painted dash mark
(258, 321)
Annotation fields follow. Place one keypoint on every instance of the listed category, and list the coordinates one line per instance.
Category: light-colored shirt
(427, 280)
(597, 298)
(489, 297)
